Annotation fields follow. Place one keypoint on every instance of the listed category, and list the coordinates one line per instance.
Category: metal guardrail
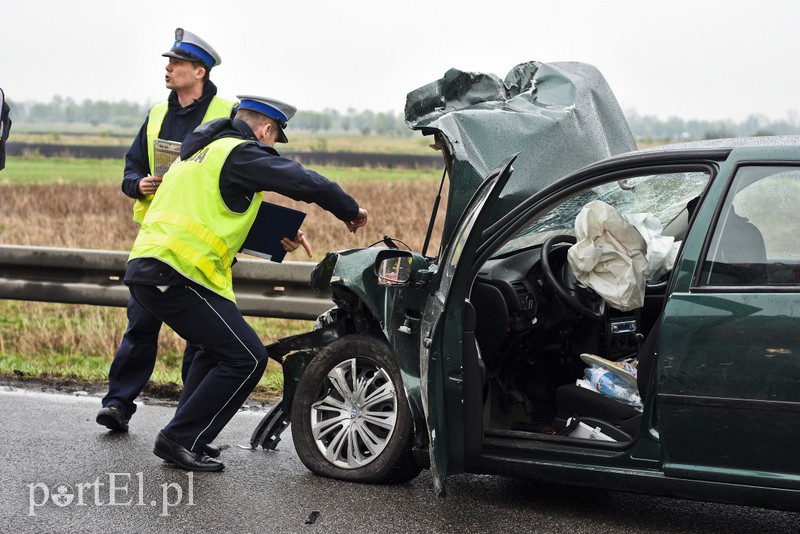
(80, 276)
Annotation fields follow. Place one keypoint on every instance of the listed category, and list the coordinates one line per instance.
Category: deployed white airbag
(610, 256)
(661, 250)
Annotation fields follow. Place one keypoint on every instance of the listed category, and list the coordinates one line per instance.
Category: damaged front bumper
(294, 354)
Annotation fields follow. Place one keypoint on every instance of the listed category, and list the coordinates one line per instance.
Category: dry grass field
(99, 217)
(58, 341)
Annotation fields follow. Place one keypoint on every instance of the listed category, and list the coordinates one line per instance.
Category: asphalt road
(61, 472)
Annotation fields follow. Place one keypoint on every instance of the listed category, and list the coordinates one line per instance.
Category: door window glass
(460, 237)
(755, 240)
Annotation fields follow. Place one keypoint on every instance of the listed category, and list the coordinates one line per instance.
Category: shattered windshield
(663, 195)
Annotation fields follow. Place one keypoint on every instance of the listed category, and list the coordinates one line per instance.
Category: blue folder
(272, 224)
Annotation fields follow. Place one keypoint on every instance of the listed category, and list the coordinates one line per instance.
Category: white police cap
(281, 112)
(191, 47)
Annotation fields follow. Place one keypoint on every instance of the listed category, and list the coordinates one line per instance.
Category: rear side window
(756, 240)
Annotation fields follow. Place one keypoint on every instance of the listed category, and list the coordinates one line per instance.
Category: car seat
(741, 241)
(575, 401)
(740, 257)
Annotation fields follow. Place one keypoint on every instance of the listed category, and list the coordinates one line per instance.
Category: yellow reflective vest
(188, 225)
(219, 108)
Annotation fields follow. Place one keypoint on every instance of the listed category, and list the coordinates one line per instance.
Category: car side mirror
(393, 267)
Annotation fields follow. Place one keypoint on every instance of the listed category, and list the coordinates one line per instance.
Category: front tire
(350, 417)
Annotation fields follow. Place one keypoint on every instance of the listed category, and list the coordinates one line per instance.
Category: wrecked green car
(669, 365)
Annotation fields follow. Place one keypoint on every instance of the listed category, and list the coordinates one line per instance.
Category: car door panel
(729, 397)
(729, 354)
(442, 345)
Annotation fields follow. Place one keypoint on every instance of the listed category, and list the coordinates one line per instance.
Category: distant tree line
(65, 110)
(129, 115)
(364, 122)
(651, 128)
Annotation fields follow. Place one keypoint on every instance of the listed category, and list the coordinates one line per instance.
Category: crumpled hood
(559, 117)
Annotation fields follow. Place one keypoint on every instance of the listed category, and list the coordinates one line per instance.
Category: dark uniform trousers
(223, 374)
(135, 359)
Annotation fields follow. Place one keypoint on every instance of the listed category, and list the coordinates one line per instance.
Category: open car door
(446, 326)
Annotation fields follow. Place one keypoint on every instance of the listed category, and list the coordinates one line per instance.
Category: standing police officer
(192, 101)
(5, 128)
(179, 269)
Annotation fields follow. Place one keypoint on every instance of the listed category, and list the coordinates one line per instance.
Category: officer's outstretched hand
(300, 240)
(358, 222)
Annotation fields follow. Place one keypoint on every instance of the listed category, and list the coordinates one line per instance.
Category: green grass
(50, 365)
(36, 170)
(91, 372)
(75, 344)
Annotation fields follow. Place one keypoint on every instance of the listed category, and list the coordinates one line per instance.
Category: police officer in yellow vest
(179, 269)
(192, 101)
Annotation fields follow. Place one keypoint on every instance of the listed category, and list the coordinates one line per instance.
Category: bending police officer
(179, 269)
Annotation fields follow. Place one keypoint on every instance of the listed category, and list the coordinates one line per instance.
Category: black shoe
(113, 418)
(212, 450)
(179, 456)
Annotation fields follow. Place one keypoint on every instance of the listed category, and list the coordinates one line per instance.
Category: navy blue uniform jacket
(178, 123)
(249, 169)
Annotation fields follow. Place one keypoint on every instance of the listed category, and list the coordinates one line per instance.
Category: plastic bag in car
(607, 383)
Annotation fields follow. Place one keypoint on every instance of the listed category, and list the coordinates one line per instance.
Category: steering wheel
(581, 299)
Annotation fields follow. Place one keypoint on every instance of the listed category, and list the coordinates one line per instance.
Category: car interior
(530, 344)
(530, 339)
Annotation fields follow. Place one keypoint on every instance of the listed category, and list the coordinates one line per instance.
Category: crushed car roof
(558, 116)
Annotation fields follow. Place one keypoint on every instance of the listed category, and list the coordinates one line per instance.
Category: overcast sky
(703, 59)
